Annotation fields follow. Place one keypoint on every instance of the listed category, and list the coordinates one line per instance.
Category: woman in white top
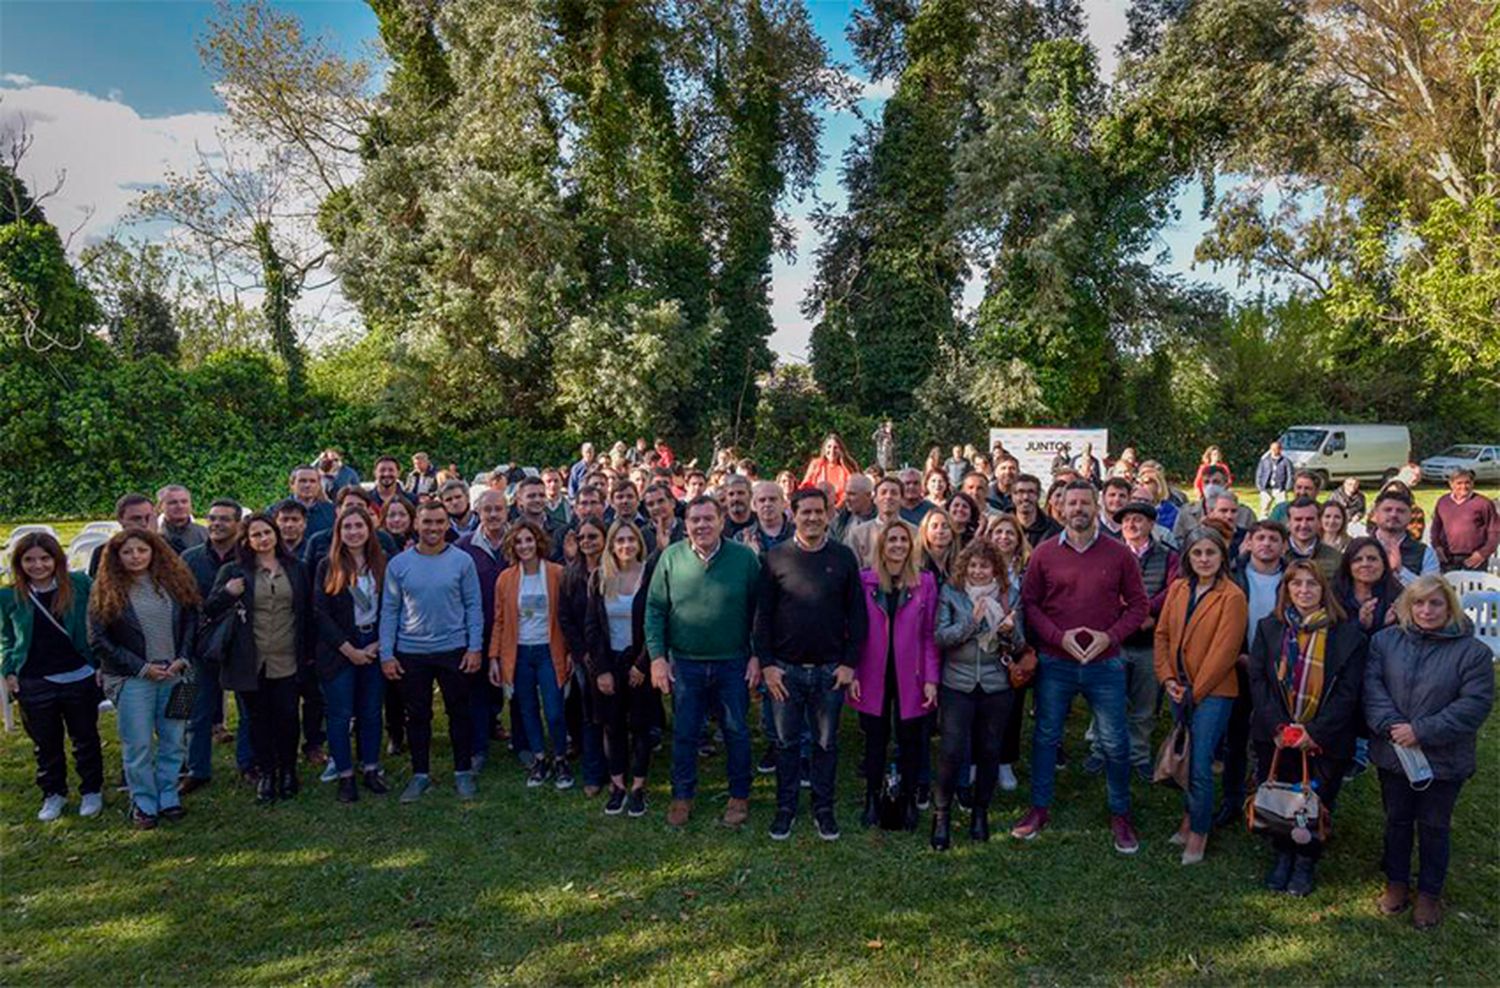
(624, 702)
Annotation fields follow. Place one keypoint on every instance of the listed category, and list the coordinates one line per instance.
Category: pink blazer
(916, 648)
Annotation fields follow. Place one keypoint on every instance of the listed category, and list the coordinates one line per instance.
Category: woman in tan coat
(1198, 639)
(528, 653)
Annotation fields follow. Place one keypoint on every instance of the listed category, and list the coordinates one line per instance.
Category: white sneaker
(52, 808)
(330, 772)
(1007, 778)
(106, 706)
(92, 804)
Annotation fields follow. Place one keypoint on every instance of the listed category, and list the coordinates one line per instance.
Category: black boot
(870, 818)
(942, 838)
(979, 824)
(909, 805)
(265, 788)
(1281, 871)
(1231, 809)
(1301, 882)
(348, 789)
(288, 785)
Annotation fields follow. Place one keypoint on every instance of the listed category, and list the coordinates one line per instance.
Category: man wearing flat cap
(1136, 521)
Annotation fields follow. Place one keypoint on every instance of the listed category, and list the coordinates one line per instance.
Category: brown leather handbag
(1022, 667)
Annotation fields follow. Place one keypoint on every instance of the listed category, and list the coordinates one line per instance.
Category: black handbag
(180, 702)
(215, 639)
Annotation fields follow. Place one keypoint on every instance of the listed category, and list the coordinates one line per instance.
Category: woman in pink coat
(898, 668)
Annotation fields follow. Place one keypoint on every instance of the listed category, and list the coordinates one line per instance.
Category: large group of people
(1290, 651)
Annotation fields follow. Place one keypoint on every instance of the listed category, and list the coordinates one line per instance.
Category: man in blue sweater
(432, 628)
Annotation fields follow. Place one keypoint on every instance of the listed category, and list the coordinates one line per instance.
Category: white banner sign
(1036, 448)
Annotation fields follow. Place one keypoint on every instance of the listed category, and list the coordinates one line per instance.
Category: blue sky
(115, 96)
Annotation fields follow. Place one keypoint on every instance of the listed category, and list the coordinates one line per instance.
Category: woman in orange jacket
(834, 466)
(528, 653)
(1198, 639)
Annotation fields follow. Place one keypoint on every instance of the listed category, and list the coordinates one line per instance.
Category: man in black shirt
(204, 560)
(810, 623)
(1039, 526)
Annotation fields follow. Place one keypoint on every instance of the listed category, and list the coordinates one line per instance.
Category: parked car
(1483, 460)
(1336, 451)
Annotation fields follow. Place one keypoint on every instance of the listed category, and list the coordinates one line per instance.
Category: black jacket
(241, 669)
(1336, 724)
(120, 645)
(334, 617)
(599, 658)
(573, 607)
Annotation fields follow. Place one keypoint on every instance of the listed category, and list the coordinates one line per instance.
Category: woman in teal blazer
(49, 669)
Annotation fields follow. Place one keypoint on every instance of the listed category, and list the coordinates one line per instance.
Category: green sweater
(18, 617)
(702, 612)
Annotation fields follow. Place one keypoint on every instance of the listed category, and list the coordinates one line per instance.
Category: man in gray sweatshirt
(432, 628)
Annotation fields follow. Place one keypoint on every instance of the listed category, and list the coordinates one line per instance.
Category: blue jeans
(481, 710)
(534, 672)
(152, 745)
(200, 726)
(812, 703)
(1102, 683)
(697, 685)
(1210, 721)
(356, 693)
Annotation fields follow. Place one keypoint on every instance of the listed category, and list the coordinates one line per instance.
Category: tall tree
(890, 270)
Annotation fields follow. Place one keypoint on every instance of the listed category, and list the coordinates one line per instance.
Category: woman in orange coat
(834, 466)
(528, 653)
(1198, 639)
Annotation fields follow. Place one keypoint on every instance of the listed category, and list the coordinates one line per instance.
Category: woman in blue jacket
(1429, 686)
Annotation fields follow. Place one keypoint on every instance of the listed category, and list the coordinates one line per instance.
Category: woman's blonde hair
(942, 560)
(1023, 545)
(609, 570)
(911, 572)
(1426, 586)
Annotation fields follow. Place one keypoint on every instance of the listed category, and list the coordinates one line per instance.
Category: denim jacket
(965, 666)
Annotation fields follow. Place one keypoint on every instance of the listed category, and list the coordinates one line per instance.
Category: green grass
(539, 887)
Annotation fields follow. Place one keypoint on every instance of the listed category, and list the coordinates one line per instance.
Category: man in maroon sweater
(1083, 596)
(1465, 525)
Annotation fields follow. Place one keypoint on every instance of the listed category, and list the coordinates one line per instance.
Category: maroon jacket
(1098, 588)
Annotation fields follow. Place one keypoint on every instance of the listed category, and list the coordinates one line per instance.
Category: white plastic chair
(1483, 608)
(7, 715)
(1494, 566)
(107, 527)
(81, 549)
(20, 530)
(1465, 581)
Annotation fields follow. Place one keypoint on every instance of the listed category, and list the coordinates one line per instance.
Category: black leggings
(627, 716)
(273, 724)
(977, 717)
(911, 738)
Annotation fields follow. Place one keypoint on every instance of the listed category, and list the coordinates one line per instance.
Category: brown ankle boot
(1394, 899)
(737, 812)
(1428, 911)
(678, 812)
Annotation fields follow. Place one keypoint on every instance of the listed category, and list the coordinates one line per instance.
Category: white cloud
(107, 153)
(17, 79)
(1106, 26)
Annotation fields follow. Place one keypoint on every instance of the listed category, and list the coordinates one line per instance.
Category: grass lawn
(539, 887)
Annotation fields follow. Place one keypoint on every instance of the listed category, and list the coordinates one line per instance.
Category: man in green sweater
(699, 610)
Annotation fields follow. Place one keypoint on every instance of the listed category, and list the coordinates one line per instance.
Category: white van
(1333, 452)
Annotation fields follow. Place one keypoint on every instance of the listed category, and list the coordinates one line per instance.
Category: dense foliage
(556, 220)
